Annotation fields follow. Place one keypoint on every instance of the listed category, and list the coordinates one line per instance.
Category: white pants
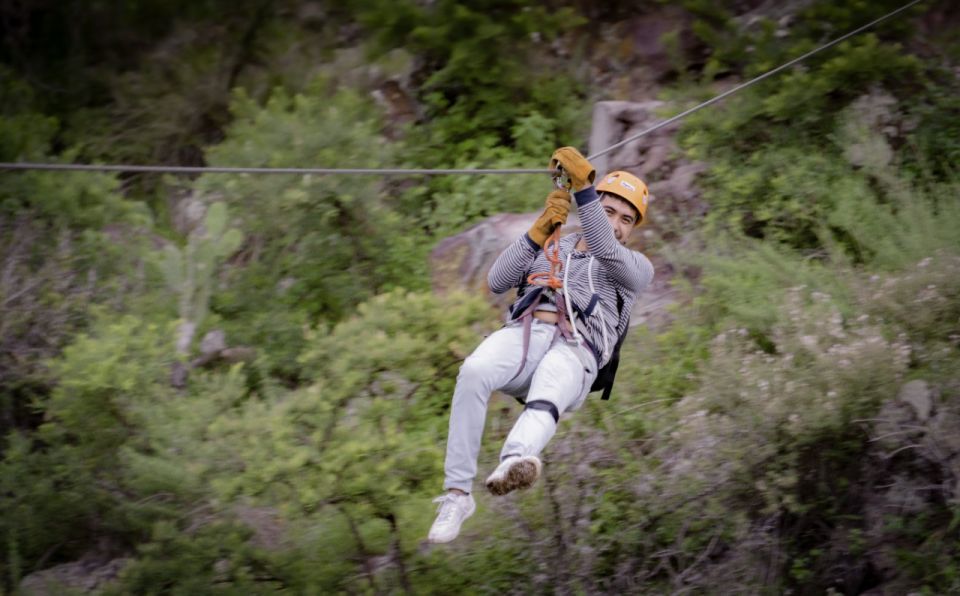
(554, 371)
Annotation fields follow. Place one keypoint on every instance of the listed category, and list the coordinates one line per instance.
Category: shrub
(74, 463)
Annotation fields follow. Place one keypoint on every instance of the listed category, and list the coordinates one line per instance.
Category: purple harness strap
(563, 328)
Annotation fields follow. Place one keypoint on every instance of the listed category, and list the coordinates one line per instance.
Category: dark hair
(636, 212)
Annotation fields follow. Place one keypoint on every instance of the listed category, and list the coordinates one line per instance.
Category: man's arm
(511, 266)
(628, 268)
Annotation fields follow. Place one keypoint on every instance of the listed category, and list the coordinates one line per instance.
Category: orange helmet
(629, 188)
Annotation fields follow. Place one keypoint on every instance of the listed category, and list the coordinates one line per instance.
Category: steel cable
(438, 171)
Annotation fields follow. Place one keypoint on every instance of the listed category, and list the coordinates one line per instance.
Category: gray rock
(655, 158)
(85, 575)
(213, 342)
(917, 394)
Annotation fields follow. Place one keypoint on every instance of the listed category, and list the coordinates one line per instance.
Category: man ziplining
(555, 341)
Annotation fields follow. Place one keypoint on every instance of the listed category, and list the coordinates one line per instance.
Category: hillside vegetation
(240, 384)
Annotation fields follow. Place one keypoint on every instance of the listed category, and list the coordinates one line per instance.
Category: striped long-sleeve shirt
(616, 269)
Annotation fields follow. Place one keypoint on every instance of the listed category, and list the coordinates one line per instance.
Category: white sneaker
(453, 510)
(514, 473)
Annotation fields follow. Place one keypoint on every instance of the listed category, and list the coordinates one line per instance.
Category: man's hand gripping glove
(581, 172)
(554, 214)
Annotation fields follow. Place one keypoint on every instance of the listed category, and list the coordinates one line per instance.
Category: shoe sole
(522, 474)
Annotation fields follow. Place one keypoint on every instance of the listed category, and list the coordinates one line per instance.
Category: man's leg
(493, 365)
(560, 383)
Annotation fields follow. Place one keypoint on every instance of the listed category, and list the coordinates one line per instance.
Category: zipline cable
(240, 170)
(439, 171)
(753, 81)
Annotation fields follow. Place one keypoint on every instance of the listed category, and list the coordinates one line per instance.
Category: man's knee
(543, 405)
(474, 371)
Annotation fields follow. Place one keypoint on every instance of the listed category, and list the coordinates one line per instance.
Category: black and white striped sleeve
(511, 267)
(628, 268)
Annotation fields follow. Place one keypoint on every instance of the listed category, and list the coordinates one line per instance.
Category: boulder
(87, 575)
(653, 157)
(917, 394)
(632, 57)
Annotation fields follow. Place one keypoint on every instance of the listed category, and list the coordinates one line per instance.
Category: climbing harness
(550, 280)
(549, 284)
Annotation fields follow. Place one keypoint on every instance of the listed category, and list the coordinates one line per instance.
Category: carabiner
(558, 180)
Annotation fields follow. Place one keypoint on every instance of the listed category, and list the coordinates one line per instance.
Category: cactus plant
(190, 271)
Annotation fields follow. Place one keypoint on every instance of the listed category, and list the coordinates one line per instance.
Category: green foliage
(77, 200)
(446, 206)
(656, 371)
(24, 132)
(755, 43)
(481, 110)
(825, 371)
(102, 376)
(316, 246)
(338, 238)
(387, 369)
(915, 224)
(775, 172)
(67, 244)
(739, 449)
(213, 559)
(160, 92)
(805, 97)
(935, 139)
(386, 372)
(469, 89)
(73, 462)
(745, 283)
(923, 300)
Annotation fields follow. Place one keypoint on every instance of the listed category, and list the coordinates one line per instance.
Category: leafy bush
(316, 246)
(69, 241)
(922, 300)
(469, 90)
(447, 205)
(197, 561)
(775, 170)
(765, 434)
(386, 372)
(388, 368)
(914, 224)
(74, 461)
(76, 200)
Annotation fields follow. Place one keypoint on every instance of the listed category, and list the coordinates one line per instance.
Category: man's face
(621, 214)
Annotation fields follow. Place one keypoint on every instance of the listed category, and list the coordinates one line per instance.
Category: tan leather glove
(554, 214)
(576, 166)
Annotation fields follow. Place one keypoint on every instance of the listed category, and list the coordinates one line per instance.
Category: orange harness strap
(550, 279)
(551, 248)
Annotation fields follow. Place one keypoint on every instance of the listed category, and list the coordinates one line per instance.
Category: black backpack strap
(606, 375)
(612, 367)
